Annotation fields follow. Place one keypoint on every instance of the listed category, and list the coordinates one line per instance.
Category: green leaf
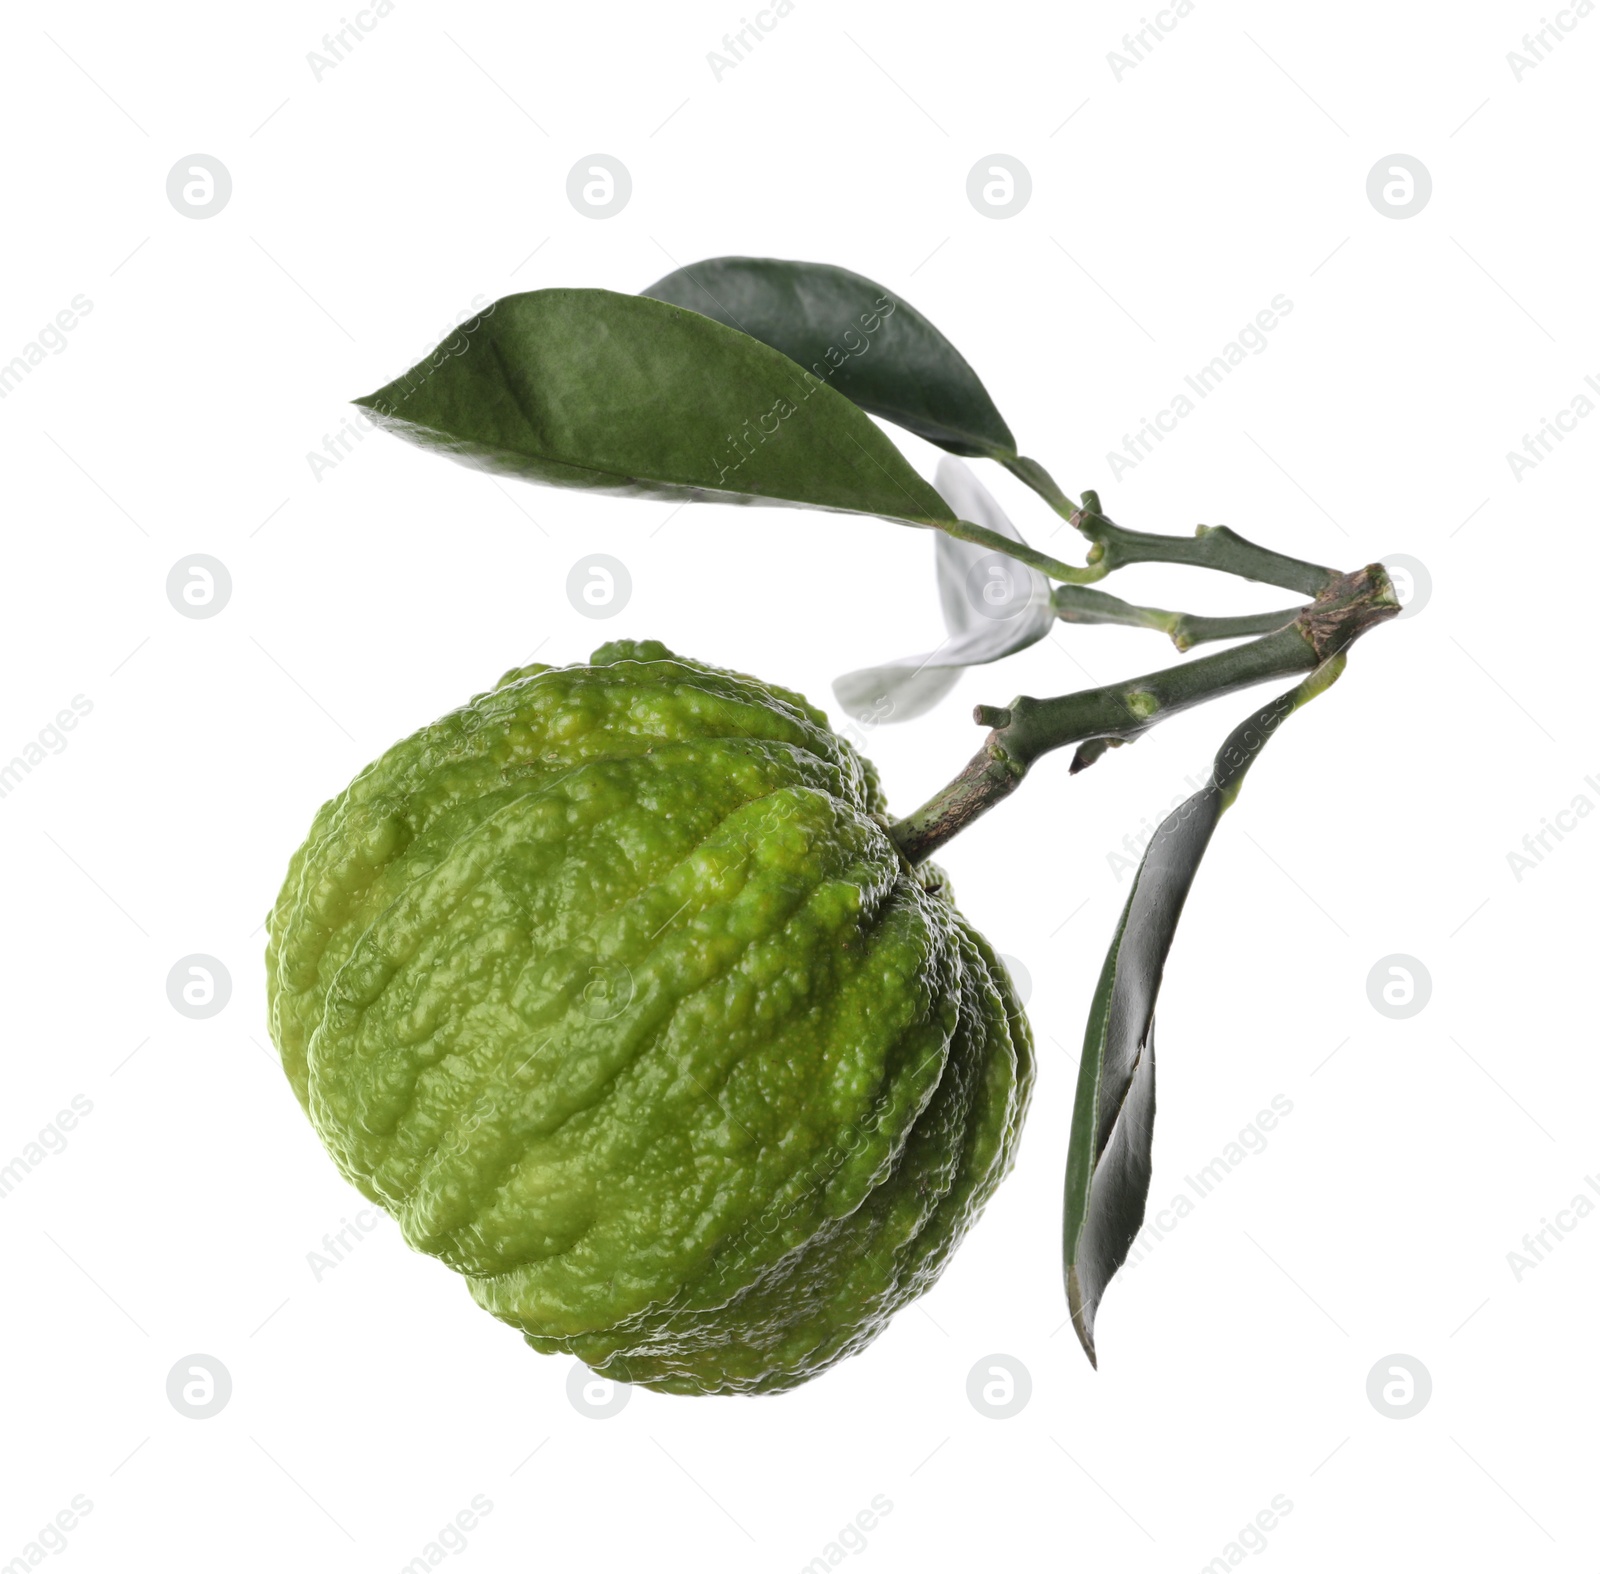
(618, 393)
(855, 336)
(1113, 1116)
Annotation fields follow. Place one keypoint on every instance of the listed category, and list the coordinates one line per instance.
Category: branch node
(1347, 608)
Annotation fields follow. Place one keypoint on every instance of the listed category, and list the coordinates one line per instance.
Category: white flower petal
(993, 606)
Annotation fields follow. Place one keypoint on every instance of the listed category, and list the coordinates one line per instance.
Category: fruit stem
(1028, 728)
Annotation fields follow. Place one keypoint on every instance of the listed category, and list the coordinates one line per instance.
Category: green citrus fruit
(611, 987)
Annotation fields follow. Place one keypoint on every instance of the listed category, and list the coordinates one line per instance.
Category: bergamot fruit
(612, 988)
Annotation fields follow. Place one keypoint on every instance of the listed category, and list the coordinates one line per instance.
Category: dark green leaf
(854, 335)
(618, 393)
(1113, 1117)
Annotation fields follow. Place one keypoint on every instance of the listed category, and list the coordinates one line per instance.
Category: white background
(370, 209)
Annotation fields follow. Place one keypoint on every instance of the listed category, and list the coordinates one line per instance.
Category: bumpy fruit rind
(611, 987)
